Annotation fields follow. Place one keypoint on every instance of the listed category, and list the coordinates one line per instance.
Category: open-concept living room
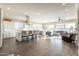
(39, 29)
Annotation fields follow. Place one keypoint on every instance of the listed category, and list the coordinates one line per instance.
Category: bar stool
(30, 33)
(35, 33)
(25, 35)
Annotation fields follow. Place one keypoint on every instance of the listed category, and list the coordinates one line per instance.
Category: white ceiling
(39, 12)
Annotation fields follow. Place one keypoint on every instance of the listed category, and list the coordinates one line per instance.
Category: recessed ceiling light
(63, 4)
(66, 9)
(7, 14)
(25, 13)
(8, 8)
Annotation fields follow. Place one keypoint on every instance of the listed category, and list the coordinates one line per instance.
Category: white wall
(0, 28)
(77, 25)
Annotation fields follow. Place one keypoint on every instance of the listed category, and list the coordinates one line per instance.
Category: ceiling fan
(28, 20)
(59, 18)
(7, 19)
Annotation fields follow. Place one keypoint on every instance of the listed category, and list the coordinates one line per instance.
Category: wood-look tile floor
(39, 47)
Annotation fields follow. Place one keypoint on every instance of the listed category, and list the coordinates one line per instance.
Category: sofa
(69, 38)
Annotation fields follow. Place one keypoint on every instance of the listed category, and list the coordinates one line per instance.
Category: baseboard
(8, 37)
